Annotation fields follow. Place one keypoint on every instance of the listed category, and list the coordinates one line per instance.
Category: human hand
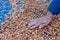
(41, 22)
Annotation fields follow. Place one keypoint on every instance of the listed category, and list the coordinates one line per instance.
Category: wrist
(49, 14)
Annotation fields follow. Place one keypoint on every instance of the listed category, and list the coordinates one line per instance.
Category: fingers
(35, 25)
(33, 22)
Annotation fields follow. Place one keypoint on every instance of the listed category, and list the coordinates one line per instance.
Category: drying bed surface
(16, 28)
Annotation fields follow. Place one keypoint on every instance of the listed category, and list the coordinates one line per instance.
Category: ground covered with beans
(20, 15)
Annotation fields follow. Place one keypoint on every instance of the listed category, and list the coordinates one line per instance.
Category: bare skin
(41, 22)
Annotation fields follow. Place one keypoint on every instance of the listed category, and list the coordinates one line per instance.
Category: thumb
(42, 25)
